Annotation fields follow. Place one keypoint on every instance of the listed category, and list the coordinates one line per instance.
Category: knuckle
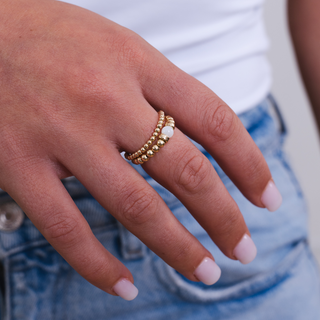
(182, 252)
(131, 50)
(92, 270)
(220, 123)
(91, 86)
(193, 172)
(62, 229)
(139, 206)
(228, 223)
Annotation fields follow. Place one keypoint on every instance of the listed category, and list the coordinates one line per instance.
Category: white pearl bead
(168, 131)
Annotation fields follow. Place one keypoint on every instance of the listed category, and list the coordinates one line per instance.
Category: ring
(160, 136)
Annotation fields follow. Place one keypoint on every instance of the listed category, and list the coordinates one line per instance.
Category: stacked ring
(160, 136)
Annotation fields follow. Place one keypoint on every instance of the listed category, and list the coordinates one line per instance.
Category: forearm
(304, 26)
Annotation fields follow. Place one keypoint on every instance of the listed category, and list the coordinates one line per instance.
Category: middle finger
(182, 169)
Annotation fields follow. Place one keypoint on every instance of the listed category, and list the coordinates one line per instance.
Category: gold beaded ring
(161, 135)
(151, 140)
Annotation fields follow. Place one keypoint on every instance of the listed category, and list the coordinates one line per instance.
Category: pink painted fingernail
(245, 251)
(271, 197)
(208, 272)
(125, 289)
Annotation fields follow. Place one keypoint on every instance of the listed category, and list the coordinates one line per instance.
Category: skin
(76, 90)
(307, 48)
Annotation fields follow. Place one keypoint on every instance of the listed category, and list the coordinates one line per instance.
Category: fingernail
(271, 197)
(208, 272)
(245, 251)
(125, 289)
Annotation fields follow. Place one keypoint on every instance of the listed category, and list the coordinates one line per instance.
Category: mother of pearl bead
(168, 131)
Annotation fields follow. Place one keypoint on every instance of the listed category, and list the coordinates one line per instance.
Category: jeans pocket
(198, 293)
(277, 115)
(283, 158)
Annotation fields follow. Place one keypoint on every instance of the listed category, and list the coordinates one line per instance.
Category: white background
(303, 143)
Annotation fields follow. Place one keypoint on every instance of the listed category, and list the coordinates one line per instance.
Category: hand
(76, 90)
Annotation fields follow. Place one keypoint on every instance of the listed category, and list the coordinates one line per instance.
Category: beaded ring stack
(161, 135)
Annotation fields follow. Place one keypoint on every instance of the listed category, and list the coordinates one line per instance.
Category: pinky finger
(42, 196)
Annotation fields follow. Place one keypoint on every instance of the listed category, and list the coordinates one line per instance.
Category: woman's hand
(76, 90)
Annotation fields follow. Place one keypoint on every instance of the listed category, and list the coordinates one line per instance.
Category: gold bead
(155, 134)
(146, 146)
(169, 118)
(161, 143)
(155, 148)
(135, 161)
(159, 126)
(140, 161)
(157, 130)
(153, 139)
(160, 122)
(139, 153)
(164, 137)
(171, 124)
(150, 153)
(144, 158)
(142, 150)
(149, 143)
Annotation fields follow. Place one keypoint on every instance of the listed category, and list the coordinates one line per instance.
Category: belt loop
(131, 247)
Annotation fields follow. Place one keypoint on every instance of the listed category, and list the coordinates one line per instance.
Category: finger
(182, 169)
(186, 172)
(204, 117)
(131, 200)
(43, 198)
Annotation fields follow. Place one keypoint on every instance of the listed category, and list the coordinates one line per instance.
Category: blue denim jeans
(281, 283)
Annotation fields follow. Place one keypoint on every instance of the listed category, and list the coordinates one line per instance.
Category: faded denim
(281, 283)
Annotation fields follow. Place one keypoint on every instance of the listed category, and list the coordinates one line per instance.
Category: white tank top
(220, 42)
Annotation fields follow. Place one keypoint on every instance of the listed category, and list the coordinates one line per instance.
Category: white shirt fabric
(220, 42)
